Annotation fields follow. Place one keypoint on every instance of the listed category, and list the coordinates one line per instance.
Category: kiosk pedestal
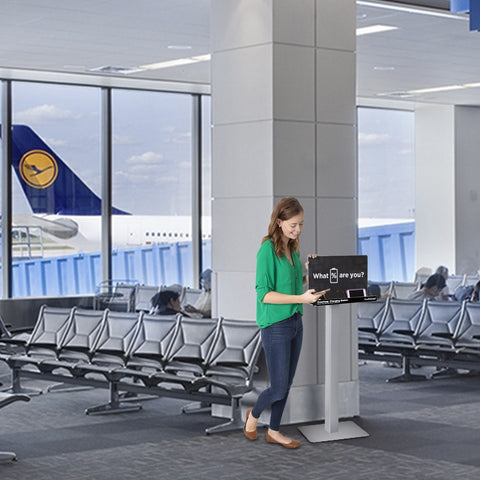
(332, 429)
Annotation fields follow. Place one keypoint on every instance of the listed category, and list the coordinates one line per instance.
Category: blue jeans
(282, 343)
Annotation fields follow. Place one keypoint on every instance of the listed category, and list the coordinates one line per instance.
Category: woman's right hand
(311, 296)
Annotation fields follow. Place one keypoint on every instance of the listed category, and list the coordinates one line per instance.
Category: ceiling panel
(70, 36)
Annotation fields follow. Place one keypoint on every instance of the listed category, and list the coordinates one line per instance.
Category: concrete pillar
(434, 187)
(283, 114)
(447, 173)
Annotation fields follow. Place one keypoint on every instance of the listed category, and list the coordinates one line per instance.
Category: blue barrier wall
(163, 264)
(390, 250)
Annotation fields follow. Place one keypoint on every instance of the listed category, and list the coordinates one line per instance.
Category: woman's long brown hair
(285, 209)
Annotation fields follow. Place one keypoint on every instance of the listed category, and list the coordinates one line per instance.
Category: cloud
(123, 140)
(147, 159)
(182, 138)
(142, 169)
(43, 114)
(142, 175)
(369, 139)
(54, 142)
(166, 180)
(185, 165)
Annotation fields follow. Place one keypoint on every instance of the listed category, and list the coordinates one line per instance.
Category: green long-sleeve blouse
(277, 275)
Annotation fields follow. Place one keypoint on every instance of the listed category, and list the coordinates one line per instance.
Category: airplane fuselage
(83, 232)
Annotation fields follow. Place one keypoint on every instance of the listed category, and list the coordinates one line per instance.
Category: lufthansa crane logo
(38, 169)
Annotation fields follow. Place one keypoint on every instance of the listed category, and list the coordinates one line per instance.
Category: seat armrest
(367, 329)
(403, 331)
(443, 334)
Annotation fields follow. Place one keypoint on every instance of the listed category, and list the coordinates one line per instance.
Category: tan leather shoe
(250, 435)
(291, 444)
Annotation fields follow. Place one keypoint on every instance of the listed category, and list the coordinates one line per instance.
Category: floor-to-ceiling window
(206, 183)
(3, 86)
(56, 186)
(152, 185)
(386, 192)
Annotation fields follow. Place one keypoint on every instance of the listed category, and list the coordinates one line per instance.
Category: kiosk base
(318, 433)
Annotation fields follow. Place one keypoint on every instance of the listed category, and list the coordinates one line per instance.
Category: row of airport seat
(428, 332)
(395, 289)
(134, 297)
(403, 290)
(206, 360)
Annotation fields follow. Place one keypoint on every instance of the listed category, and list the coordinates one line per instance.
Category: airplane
(68, 211)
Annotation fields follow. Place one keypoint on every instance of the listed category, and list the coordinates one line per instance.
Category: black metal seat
(231, 365)
(77, 343)
(370, 321)
(468, 335)
(147, 355)
(438, 329)
(398, 334)
(191, 347)
(7, 399)
(43, 344)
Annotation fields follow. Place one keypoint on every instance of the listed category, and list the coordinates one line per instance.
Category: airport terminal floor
(421, 430)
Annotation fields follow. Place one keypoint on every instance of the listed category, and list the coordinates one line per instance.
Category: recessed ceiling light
(417, 10)
(176, 63)
(179, 47)
(396, 94)
(444, 88)
(115, 69)
(384, 68)
(80, 67)
(374, 29)
(437, 89)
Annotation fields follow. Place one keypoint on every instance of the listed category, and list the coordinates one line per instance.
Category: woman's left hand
(312, 255)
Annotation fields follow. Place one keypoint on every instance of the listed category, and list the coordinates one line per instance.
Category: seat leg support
(445, 372)
(114, 405)
(407, 376)
(64, 387)
(197, 407)
(16, 386)
(235, 421)
(7, 457)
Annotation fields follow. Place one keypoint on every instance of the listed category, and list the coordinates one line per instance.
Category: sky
(386, 163)
(151, 142)
(152, 153)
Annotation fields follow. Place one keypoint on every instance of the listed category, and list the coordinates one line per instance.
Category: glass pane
(152, 187)
(56, 189)
(386, 192)
(386, 165)
(206, 183)
(1, 157)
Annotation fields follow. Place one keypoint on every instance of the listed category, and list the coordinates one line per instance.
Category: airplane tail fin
(50, 186)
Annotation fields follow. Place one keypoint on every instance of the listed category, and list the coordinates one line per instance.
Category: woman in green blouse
(279, 286)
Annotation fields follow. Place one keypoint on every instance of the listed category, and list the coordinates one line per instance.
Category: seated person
(166, 302)
(430, 289)
(203, 304)
(476, 289)
(375, 289)
(444, 293)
